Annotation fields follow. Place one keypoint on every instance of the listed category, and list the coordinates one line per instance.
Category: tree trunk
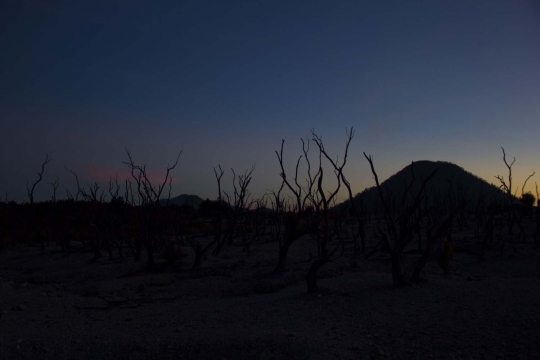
(397, 273)
(198, 258)
(283, 256)
(311, 277)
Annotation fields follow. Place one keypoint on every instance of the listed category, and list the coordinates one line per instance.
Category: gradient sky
(225, 81)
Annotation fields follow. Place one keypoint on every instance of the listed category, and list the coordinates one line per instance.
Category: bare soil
(64, 306)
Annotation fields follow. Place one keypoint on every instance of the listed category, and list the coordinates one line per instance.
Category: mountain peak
(449, 176)
(185, 199)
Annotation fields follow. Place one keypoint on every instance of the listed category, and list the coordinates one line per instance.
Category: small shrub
(527, 199)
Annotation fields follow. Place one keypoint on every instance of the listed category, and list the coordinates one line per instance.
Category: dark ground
(58, 306)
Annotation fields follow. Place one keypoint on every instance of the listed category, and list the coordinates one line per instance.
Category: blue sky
(226, 80)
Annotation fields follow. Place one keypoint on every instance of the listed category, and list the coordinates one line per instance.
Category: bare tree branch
(54, 185)
(525, 183)
(30, 190)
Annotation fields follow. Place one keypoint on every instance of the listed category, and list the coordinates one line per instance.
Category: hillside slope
(449, 177)
(184, 199)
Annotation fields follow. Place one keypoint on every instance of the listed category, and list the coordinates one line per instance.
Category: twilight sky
(226, 80)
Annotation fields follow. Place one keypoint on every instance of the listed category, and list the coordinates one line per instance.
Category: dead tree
(150, 203)
(537, 211)
(200, 251)
(55, 185)
(525, 182)
(339, 170)
(35, 215)
(398, 227)
(258, 219)
(114, 187)
(92, 213)
(293, 228)
(30, 190)
(237, 206)
(324, 254)
(275, 218)
(507, 187)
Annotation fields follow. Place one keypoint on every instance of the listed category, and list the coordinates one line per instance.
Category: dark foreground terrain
(58, 306)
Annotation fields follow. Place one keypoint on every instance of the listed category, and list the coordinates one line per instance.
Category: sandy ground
(59, 306)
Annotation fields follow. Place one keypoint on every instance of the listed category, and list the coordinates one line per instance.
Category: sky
(226, 81)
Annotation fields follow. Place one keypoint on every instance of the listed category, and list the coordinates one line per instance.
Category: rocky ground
(58, 306)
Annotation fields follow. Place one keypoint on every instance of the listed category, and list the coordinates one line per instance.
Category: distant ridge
(448, 173)
(184, 199)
